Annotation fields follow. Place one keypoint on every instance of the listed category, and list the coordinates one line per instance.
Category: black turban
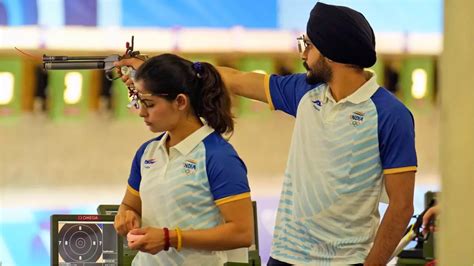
(342, 35)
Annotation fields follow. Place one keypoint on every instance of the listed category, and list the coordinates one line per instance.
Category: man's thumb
(124, 62)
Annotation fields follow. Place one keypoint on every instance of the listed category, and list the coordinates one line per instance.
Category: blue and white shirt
(328, 211)
(184, 188)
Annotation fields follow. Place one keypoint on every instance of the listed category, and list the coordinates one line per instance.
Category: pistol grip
(129, 71)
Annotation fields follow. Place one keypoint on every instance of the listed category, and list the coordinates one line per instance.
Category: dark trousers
(274, 262)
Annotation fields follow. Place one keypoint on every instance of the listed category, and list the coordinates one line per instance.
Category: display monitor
(85, 240)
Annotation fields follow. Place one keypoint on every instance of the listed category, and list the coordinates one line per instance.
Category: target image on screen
(84, 240)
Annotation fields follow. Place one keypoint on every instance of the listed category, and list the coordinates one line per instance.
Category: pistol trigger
(108, 74)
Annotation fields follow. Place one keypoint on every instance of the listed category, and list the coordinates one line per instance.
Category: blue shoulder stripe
(226, 172)
(396, 131)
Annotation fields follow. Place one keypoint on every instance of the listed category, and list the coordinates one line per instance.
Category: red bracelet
(167, 238)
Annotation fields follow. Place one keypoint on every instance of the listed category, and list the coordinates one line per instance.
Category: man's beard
(322, 74)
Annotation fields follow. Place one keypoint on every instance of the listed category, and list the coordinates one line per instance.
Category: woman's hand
(125, 221)
(153, 240)
(429, 218)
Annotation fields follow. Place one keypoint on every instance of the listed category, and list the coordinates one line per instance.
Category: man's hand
(126, 221)
(131, 62)
(153, 240)
(135, 63)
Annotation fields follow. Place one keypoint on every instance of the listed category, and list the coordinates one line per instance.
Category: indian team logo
(148, 163)
(357, 118)
(317, 105)
(189, 167)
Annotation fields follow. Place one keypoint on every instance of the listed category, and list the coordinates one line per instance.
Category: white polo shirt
(184, 189)
(328, 211)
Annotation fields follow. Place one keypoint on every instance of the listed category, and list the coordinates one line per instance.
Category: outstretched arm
(246, 84)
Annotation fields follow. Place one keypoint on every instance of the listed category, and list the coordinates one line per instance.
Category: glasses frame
(302, 43)
(135, 97)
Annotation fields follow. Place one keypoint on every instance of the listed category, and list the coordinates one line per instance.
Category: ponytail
(214, 103)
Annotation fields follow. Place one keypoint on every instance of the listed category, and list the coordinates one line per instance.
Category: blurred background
(67, 138)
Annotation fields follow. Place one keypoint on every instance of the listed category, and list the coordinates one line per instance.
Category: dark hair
(172, 75)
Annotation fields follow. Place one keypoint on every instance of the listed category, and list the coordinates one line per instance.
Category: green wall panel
(58, 108)
(408, 80)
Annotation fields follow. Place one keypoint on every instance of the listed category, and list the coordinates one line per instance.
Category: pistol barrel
(74, 65)
(62, 58)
